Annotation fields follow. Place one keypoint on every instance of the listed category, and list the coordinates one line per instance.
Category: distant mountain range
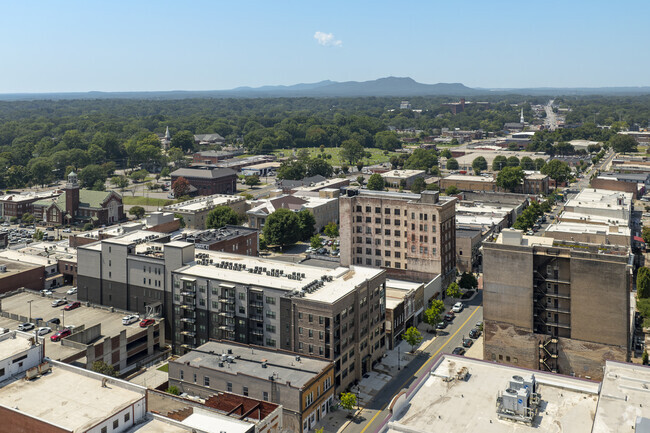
(389, 86)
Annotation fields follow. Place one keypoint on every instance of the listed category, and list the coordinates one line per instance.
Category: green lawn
(164, 368)
(377, 155)
(145, 201)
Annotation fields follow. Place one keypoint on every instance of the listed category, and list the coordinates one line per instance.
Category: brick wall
(15, 422)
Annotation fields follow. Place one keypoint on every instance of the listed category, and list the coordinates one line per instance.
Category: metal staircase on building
(548, 353)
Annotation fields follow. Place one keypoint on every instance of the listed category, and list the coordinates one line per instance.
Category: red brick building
(208, 180)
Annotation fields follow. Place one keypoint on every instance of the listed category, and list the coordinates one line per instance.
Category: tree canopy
(557, 170)
(376, 182)
(282, 228)
(221, 216)
(479, 164)
(509, 178)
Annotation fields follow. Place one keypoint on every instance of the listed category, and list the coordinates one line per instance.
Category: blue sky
(57, 46)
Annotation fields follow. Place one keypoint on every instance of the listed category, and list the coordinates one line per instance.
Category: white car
(127, 320)
(58, 302)
(458, 307)
(67, 230)
(72, 291)
(47, 292)
(44, 330)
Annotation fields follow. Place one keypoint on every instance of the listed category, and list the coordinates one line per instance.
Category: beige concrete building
(195, 212)
(554, 305)
(405, 178)
(323, 204)
(412, 236)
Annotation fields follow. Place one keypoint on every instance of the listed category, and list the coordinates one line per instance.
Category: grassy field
(377, 155)
(164, 368)
(145, 201)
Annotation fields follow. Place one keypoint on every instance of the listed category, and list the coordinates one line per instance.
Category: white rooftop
(585, 228)
(470, 178)
(344, 280)
(601, 198)
(624, 396)
(210, 423)
(13, 343)
(70, 397)
(459, 406)
(204, 203)
(137, 236)
(482, 220)
(403, 174)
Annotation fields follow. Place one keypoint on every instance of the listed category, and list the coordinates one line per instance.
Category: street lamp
(398, 356)
(30, 309)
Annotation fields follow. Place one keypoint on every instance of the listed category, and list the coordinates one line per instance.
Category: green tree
(316, 241)
(434, 312)
(509, 178)
(527, 163)
(348, 401)
(557, 170)
(351, 151)
(499, 163)
(91, 175)
(422, 159)
(143, 149)
(291, 170)
(103, 368)
(120, 182)
(645, 234)
(139, 175)
(468, 281)
(479, 164)
(413, 337)
(164, 172)
(376, 182)
(181, 187)
(183, 140)
(38, 235)
(446, 153)
(452, 164)
(643, 283)
(88, 226)
(452, 190)
(418, 185)
(282, 228)
(221, 216)
(318, 166)
(644, 357)
(453, 290)
(41, 171)
(307, 224)
(173, 390)
(387, 140)
(539, 163)
(513, 161)
(623, 143)
(252, 180)
(331, 230)
(137, 211)
(177, 156)
(27, 218)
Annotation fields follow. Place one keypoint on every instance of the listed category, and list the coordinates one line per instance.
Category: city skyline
(78, 47)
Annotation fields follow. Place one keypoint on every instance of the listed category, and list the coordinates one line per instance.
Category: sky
(79, 46)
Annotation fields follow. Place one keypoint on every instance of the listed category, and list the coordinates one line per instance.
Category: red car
(72, 306)
(147, 322)
(60, 334)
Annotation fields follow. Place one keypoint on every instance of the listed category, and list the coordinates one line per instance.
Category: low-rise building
(402, 178)
(15, 205)
(15, 274)
(238, 163)
(404, 308)
(195, 211)
(230, 239)
(533, 183)
(324, 206)
(214, 156)
(208, 180)
(302, 385)
(59, 262)
(262, 169)
(468, 244)
(635, 183)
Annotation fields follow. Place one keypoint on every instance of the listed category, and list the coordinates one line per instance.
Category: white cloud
(327, 39)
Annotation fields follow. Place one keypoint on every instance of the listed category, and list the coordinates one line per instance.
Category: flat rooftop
(205, 203)
(41, 306)
(343, 280)
(10, 346)
(137, 236)
(624, 397)
(592, 219)
(568, 404)
(69, 397)
(17, 263)
(469, 178)
(403, 174)
(585, 228)
(478, 220)
(158, 425)
(248, 360)
(601, 198)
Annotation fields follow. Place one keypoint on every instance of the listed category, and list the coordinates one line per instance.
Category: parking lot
(41, 308)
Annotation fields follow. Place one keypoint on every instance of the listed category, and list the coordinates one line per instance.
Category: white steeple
(168, 136)
(521, 119)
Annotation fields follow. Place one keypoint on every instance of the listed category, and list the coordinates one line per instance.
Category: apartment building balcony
(191, 289)
(188, 320)
(229, 314)
(188, 333)
(188, 307)
(558, 309)
(188, 294)
(257, 304)
(257, 318)
(227, 299)
(227, 327)
(258, 332)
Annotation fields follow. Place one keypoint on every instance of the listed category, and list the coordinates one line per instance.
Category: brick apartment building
(412, 236)
(229, 239)
(208, 180)
(555, 306)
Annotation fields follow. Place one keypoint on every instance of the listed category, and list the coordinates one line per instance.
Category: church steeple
(521, 119)
(168, 136)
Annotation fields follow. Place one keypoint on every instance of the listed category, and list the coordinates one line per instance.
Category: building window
(242, 296)
(182, 374)
(270, 314)
(206, 381)
(245, 391)
(229, 386)
(311, 333)
(116, 424)
(311, 318)
(270, 300)
(265, 396)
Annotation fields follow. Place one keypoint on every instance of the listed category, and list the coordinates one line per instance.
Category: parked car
(47, 292)
(44, 330)
(67, 230)
(25, 326)
(72, 291)
(58, 302)
(441, 325)
(61, 334)
(55, 321)
(474, 333)
(50, 229)
(146, 322)
(467, 342)
(449, 317)
(458, 307)
(479, 325)
(72, 306)
(458, 351)
(127, 320)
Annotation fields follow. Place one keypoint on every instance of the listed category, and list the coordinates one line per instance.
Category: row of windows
(378, 263)
(396, 212)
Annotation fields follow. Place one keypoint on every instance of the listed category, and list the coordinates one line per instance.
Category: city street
(374, 412)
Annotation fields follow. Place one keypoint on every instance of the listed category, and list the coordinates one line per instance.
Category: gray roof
(208, 137)
(248, 360)
(634, 177)
(204, 173)
(302, 182)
